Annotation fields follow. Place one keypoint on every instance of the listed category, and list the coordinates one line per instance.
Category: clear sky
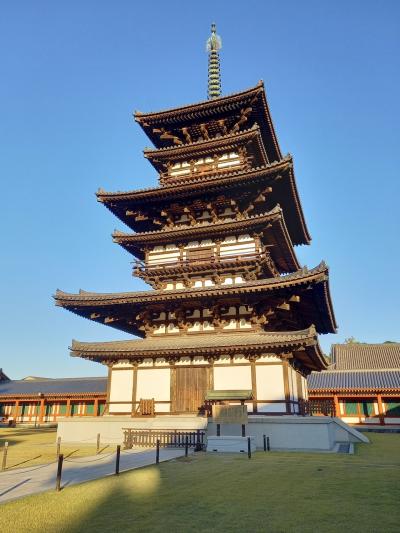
(73, 72)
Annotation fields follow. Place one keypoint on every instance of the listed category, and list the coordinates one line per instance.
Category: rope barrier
(78, 461)
(17, 471)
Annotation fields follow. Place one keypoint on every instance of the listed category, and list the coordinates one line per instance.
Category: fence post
(186, 445)
(117, 460)
(98, 444)
(158, 452)
(268, 446)
(58, 447)
(5, 451)
(249, 447)
(265, 442)
(59, 472)
(198, 443)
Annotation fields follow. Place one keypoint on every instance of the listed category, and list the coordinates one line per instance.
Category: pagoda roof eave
(284, 256)
(282, 171)
(305, 341)
(94, 305)
(213, 107)
(202, 148)
(187, 185)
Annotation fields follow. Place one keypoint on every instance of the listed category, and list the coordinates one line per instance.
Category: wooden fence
(317, 407)
(147, 438)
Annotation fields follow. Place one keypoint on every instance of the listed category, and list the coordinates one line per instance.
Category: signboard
(229, 414)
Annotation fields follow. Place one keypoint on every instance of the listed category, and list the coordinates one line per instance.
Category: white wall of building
(154, 383)
(232, 378)
(121, 388)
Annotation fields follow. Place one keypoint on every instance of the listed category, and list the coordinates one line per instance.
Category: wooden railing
(168, 438)
(317, 407)
(142, 266)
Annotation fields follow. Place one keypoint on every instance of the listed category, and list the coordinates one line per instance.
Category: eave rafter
(247, 143)
(300, 345)
(311, 286)
(252, 268)
(270, 228)
(140, 209)
(229, 112)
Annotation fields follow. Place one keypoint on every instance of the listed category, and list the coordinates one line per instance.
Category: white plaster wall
(235, 378)
(154, 383)
(305, 389)
(351, 419)
(293, 384)
(271, 407)
(269, 379)
(269, 359)
(121, 387)
(162, 407)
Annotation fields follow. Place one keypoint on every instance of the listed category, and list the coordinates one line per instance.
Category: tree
(351, 340)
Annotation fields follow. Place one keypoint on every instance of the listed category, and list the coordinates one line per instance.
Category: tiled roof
(303, 344)
(3, 377)
(300, 276)
(53, 386)
(347, 381)
(199, 341)
(356, 356)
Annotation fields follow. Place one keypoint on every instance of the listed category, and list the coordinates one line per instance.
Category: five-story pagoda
(231, 315)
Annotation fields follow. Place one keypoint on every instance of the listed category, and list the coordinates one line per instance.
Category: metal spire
(214, 44)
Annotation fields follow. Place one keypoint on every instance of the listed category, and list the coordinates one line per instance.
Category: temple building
(363, 383)
(230, 315)
(37, 400)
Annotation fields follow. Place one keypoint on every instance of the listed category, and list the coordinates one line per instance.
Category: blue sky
(72, 74)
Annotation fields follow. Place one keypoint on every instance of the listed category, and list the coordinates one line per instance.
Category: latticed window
(367, 408)
(199, 254)
(350, 407)
(392, 406)
(90, 408)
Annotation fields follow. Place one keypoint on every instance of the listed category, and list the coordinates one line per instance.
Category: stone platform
(85, 429)
(230, 444)
(291, 432)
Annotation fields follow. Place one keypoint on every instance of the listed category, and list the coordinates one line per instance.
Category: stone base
(287, 432)
(230, 444)
(85, 429)
(291, 432)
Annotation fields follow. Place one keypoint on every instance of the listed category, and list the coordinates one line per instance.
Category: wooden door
(190, 387)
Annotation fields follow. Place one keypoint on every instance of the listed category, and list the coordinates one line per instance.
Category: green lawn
(273, 492)
(29, 446)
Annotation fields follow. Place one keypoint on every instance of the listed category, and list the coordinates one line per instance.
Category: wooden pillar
(337, 406)
(96, 407)
(134, 389)
(254, 382)
(218, 249)
(68, 413)
(181, 248)
(172, 393)
(285, 367)
(16, 407)
(381, 411)
(107, 406)
(41, 411)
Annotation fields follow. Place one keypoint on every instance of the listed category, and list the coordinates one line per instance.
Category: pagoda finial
(214, 44)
